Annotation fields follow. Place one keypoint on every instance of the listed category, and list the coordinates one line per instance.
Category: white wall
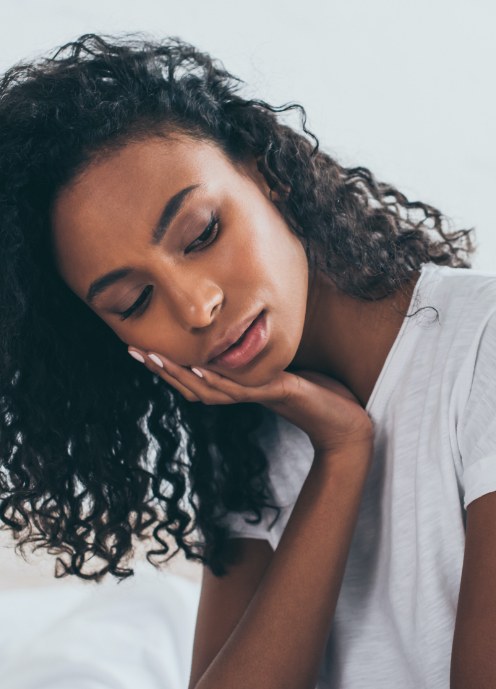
(405, 88)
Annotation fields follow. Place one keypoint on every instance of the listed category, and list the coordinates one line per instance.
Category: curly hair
(94, 449)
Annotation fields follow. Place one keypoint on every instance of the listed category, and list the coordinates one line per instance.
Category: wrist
(354, 458)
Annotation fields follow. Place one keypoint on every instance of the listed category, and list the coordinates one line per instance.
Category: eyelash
(211, 231)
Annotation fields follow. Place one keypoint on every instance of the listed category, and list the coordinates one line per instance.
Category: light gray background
(404, 88)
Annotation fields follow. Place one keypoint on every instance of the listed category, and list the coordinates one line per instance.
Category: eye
(207, 237)
(139, 301)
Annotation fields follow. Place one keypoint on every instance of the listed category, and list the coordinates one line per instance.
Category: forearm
(280, 640)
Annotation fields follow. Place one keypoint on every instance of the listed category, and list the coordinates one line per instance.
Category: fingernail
(156, 360)
(136, 355)
(197, 371)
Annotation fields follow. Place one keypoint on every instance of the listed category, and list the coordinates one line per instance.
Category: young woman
(308, 407)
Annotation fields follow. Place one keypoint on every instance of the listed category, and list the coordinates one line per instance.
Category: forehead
(119, 198)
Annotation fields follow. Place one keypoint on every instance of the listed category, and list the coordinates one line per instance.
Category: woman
(309, 394)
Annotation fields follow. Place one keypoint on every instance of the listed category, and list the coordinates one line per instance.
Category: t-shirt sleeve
(290, 454)
(266, 530)
(477, 431)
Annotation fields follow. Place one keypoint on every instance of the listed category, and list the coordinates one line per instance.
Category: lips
(247, 348)
(232, 336)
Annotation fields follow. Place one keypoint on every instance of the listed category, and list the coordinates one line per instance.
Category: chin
(259, 373)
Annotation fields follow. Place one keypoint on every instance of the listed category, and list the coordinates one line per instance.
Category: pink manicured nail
(197, 371)
(136, 355)
(156, 360)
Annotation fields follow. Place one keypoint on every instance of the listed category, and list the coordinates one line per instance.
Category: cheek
(293, 269)
(291, 264)
(282, 278)
(274, 267)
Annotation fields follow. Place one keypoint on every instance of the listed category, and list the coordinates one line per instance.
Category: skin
(103, 220)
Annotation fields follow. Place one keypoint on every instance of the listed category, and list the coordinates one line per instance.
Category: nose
(196, 302)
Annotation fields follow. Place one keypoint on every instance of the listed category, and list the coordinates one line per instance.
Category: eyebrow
(171, 209)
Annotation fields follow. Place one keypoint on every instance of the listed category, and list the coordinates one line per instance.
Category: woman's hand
(322, 407)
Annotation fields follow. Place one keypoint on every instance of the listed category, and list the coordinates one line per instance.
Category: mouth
(247, 347)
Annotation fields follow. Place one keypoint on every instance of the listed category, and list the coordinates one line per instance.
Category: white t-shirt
(434, 413)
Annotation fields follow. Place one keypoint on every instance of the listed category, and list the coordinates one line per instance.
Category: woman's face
(191, 285)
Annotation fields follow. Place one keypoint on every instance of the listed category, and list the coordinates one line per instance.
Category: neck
(349, 339)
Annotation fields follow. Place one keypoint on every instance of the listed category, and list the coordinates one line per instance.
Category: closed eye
(206, 238)
(208, 235)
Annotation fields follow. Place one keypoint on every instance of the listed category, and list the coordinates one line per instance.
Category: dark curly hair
(94, 449)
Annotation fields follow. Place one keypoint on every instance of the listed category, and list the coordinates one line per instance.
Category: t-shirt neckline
(380, 386)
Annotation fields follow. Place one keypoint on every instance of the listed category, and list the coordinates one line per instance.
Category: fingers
(210, 387)
(192, 386)
(185, 391)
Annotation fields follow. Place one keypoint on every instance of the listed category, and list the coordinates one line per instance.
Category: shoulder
(476, 409)
(470, 289)
(466, 302)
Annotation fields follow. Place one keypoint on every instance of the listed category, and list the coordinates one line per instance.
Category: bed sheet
(135, 634)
